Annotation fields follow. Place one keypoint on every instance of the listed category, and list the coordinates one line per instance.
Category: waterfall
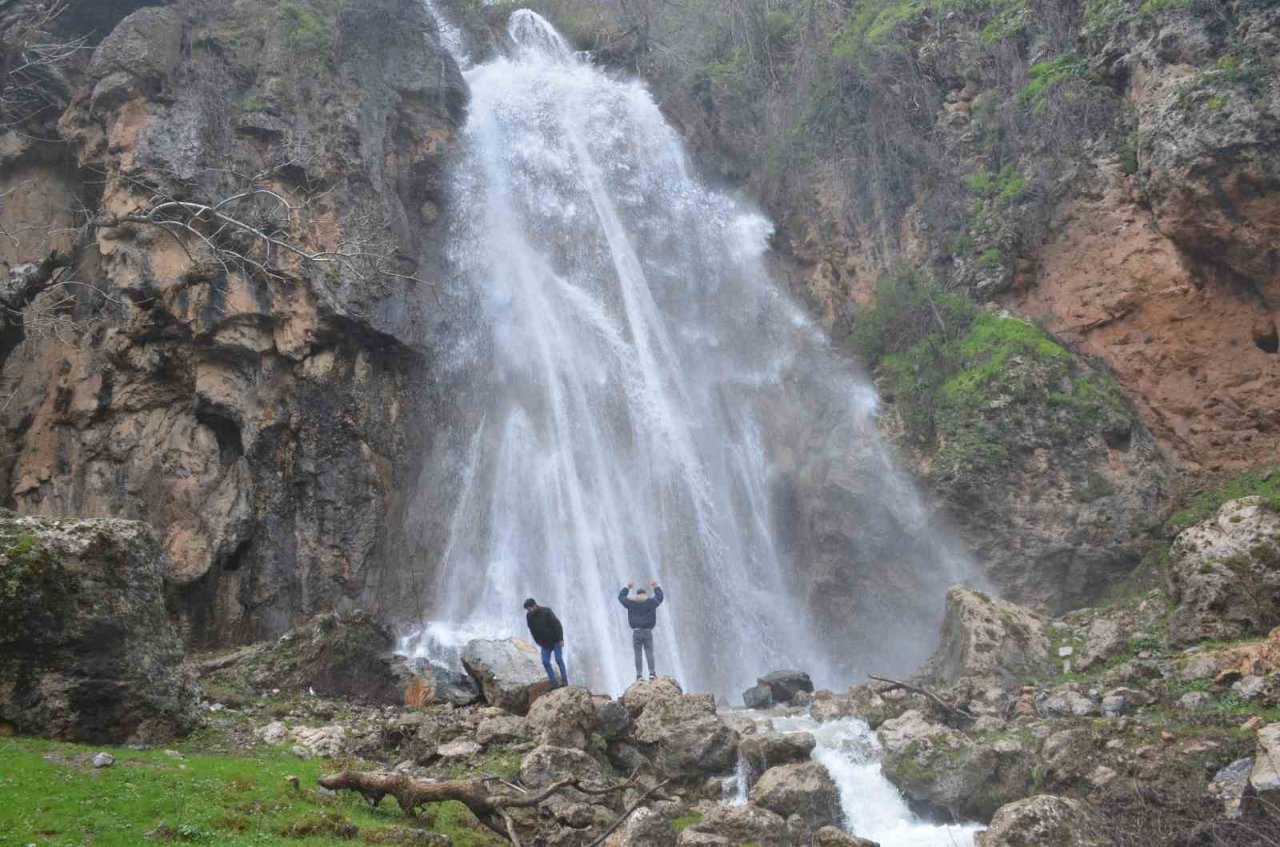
(641, 401)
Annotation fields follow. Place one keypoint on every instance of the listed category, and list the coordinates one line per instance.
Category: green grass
(53, 796)
(1263, 482)
(685, 821)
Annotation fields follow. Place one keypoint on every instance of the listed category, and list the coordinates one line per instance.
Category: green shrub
(1048, 77)
(1264, 482)
(307, 34)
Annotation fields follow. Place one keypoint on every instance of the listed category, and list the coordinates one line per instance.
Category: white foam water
(642, 401)
(873, 808)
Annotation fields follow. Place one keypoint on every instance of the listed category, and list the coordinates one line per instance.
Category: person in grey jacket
(642, 615)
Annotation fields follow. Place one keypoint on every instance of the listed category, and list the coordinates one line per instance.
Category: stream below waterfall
(873, 808)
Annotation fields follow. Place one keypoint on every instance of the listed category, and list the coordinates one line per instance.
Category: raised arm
(622, 597)
(657, 594)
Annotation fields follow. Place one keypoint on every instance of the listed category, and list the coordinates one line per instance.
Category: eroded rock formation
(257, 412)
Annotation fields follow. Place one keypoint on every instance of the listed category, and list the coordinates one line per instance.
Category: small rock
(104, 760)
(293, 781)
(1193, 701)
(300, 751)
(1065, 651)
(1168, 737)
(174, 754)
(1101, 776)
(1227, 678)
(1252, 725)
(462, 748)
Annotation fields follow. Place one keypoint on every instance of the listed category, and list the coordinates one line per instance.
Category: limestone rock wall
(259, 420)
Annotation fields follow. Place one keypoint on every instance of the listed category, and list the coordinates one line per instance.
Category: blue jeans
(546, 663)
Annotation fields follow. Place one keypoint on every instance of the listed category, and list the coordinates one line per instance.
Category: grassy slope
(52, 795)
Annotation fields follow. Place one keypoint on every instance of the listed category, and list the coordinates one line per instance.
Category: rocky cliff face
(240, 382)
(1105, 168)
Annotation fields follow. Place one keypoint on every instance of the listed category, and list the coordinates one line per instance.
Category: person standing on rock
(548, 634)
(642, 614)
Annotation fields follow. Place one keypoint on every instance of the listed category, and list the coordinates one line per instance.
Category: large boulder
(428, 684)
(736, 825)
(1041, 821)
(565, 717)
(942, 767)
(1264, 778)
(804, 789)
(349, 656)
(508, 671)
(680, 732)
(645, 828)
(830, 836)
(785, 685)
(987, 640)
(764, 750)
(1224, 574)
(87, 651)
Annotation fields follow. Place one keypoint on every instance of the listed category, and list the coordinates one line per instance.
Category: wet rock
(426, 684)
(565, 717)
(769, 749)
(613, 719)
(87, 652)
(829, 836)
(1225, 575)
(943, 767)
(785, 685)
(804, 789)
(509, 673)
(1041, 821)
(987, 640)
(758, 697)
(349, 656)
(736, 825)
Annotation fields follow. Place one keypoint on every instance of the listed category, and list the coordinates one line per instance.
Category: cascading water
(643, 402)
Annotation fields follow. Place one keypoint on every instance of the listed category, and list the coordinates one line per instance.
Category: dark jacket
(642, 614)
(544, 626)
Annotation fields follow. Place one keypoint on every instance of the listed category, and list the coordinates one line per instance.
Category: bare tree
(30, 56)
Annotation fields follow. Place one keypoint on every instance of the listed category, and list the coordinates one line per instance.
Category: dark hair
(530, 603)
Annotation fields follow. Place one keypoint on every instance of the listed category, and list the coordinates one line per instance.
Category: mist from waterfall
(642, 401)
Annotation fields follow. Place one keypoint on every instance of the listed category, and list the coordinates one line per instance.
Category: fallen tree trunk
(488, 804)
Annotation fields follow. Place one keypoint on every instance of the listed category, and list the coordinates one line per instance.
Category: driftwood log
(487, 798)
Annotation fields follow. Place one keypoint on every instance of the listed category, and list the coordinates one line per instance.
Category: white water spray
(873, 808)
(643, 402)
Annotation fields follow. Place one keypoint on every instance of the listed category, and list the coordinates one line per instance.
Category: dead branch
(489, 805)
(951, 708)
(637, 804)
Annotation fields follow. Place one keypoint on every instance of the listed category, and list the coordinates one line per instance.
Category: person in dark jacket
(642, 615)
(548, 634)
